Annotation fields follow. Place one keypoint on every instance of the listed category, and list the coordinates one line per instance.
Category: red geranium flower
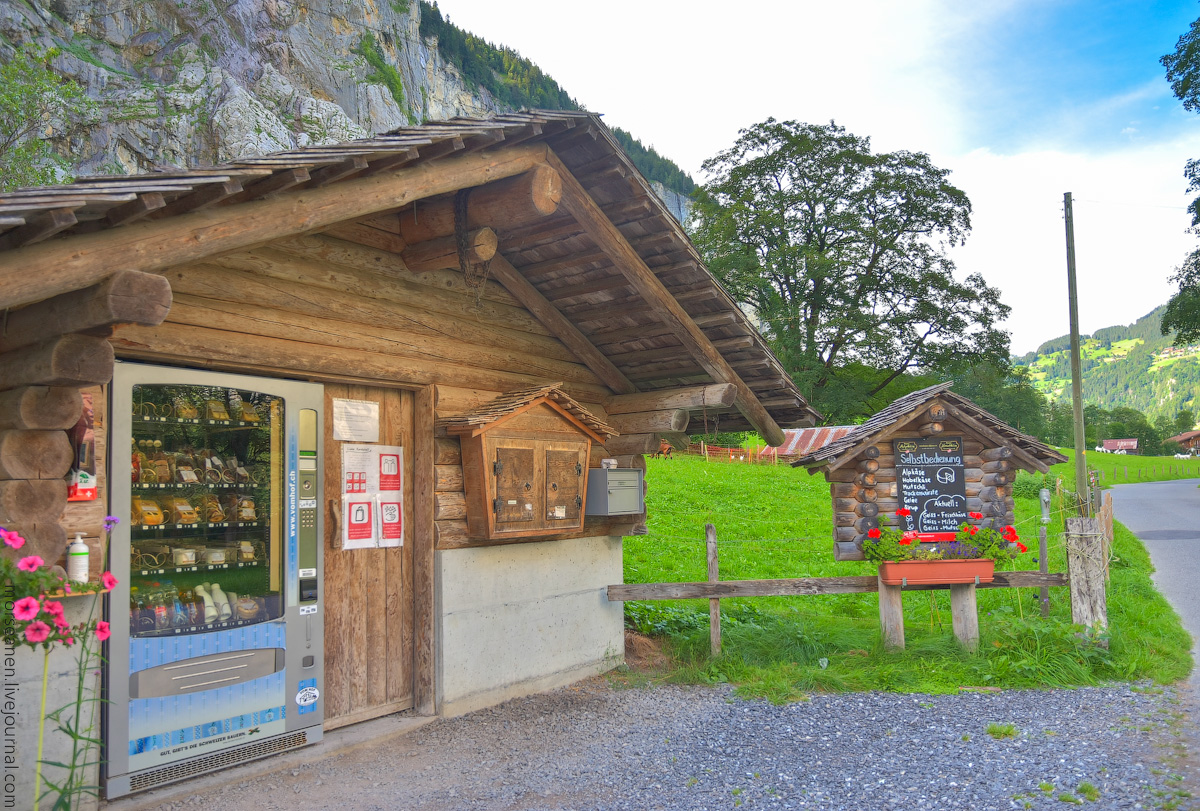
(975, 516)
(905, 541)
(972, 530)
(873, 532)
(1022, 547)
(903, 512)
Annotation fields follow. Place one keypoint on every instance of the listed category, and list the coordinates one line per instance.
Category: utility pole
(1081, 482)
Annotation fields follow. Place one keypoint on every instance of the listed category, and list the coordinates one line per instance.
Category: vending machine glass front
(205, 510)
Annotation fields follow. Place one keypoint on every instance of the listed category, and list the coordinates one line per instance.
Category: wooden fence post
(1043, 563)
(714, 603)
(891, 615)
(1085, 568)
(964, 614)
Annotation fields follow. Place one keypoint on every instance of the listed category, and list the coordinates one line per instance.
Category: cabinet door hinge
(497, 466)
(579, 501)
(578, 468)
(496, 505)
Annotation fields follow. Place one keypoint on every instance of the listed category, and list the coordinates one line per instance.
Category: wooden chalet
(1119, 445)
(1188, 440)
(971, 458)
(428, 270)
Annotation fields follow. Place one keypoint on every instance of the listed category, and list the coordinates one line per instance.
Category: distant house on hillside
(1119, 446)
(804, 441)
(1188, 440)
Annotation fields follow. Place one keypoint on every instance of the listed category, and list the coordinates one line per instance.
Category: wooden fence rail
(807, 587)
(891, 615)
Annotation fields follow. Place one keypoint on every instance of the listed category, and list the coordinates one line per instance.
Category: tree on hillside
(36, 104)
(1183, 309)
(842, 254)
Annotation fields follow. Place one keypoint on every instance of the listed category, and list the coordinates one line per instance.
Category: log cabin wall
(865, 493)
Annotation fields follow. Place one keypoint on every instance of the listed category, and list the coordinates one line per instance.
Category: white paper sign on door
(391, 519)
(372, 475)
(358, 522)
(355, 420)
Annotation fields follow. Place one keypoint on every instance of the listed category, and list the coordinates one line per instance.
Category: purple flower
(110, 521)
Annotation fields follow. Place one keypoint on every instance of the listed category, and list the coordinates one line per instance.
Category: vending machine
(216, 650)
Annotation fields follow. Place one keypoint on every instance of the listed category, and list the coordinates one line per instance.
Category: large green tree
(842, 254)
(36, 105)
(1183, 310)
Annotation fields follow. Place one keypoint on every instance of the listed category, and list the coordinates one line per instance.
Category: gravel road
(600, 746)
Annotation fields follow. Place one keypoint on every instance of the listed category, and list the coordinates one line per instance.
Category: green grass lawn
(775, 522)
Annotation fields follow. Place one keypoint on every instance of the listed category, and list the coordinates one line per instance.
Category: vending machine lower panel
(216, 655)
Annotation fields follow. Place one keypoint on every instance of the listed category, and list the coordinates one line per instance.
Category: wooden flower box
(936, 572)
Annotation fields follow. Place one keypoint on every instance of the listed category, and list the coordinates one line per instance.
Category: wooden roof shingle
(851, 443)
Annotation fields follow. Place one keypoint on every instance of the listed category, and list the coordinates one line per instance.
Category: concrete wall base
(524, 618)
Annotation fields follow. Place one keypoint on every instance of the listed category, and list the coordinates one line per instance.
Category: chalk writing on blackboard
(930, 483)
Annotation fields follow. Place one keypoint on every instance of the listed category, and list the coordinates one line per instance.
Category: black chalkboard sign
(931, 483)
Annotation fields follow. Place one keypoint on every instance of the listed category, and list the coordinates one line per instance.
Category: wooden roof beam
(718, 395)
(519, 200)
(204, 197)
(626, 259)
(275, 184)
(339, 171)
(40, 271)
(39, 228)
(559, 325)
(135, 210)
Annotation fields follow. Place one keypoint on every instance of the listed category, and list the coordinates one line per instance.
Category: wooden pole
(964, 614)
(714, 604)
(891, 616)
(1043, 564)
(1085, 569)
(1081, 483)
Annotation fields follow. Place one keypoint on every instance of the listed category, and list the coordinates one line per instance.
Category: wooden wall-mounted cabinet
(535, 486)
(525, 465)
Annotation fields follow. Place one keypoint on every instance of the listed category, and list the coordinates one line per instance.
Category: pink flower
(37, 632)
(53, 608)
(61, 623)
(69, 641)
(12, 538)
(30, 564)
(102, 630)
(873, 532)
(26, 608)
(108, 581)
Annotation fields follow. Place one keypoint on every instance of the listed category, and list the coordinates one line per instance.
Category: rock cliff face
(189, 83)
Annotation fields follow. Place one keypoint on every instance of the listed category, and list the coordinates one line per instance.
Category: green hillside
(1132, 366)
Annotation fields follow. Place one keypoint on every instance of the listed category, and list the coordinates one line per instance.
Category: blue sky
(1022, 100)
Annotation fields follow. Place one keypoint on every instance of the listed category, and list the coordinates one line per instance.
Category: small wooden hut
(933, 452)
(428, 271)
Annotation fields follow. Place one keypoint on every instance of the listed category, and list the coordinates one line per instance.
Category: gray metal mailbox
(615, 492)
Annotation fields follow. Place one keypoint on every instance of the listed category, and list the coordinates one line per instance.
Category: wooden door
(368, 592)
